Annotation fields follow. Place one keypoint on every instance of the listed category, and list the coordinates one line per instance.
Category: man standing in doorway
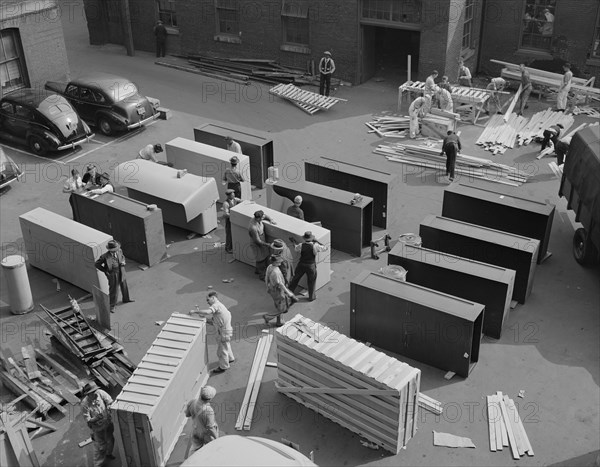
(160, 32)
(326, 69)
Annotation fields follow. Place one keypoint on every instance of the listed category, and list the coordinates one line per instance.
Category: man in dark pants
(161, 38)
(229, 203)
(262, 249)
(112, 263)
(551, 134)
(326, 69)
(307, 263)
(233, 176)
(451, 146)
(561, 148)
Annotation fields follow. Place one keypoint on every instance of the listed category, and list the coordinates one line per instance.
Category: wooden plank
(505, 418)
(138, 398)
(512, 407)
(497, 423)
(258, 380)
(139, 378)
(166, 352)
(155, 375)
(30, 363)
(349, 391)
(491, 424)
(133, 437)
(174, 336)
(168, 370)
(173, 328)
(143, 389)
(239, 424)
(172, 362)
(20, 443)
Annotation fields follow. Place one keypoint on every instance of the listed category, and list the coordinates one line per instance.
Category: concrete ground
(549, 348)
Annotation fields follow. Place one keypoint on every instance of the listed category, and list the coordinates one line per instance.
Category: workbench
(256, 145)
(286, 227)
(486, 245)
(139, 231)
(351, 225)
(420, 323)
(501, 211)
(188, 202)
(208, 161)
(490, 285)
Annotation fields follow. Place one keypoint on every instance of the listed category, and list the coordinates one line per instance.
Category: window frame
(595, 47)
(392, 11)
(227, 5)
(468, 23)
(167, 16)
(302, 15)
(17, 62)
(543, 41)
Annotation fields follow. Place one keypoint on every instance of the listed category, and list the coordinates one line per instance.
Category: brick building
(32, 46)
(365, 37)
(547, 32)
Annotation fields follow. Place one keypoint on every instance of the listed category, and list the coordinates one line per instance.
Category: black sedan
(110, 102)
(42, 120)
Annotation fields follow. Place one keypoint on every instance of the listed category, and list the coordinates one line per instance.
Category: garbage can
(17, 283)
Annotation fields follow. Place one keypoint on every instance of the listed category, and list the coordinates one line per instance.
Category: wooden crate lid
(383, 371)
(195, 193)
(240, 134)
(120, 203)
(205, 150)
(144, 388)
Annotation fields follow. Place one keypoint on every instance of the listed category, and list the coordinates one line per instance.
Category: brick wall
(43, 42)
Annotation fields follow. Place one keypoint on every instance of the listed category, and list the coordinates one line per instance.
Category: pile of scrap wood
(392, 126)
(542, 121)
(15, 442)
(103, 357)
(356, 386)
(505, 426)
(310, 102)
(427, 155)
(40, 381)
(566, 136)
(586, 110)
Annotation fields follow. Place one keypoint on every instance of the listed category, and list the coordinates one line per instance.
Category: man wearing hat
(160, 32)
(229, 203)
(105, 185)
(233, 176)
(307, 263)
(256, 230)
(282, 297)
(95, 408)
(326, 69)
(205, 428)
(91, 177)
(112, 263)
(233, 145)
(295, 210)
(280, 249)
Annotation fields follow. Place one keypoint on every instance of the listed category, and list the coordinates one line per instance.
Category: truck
(580, 185)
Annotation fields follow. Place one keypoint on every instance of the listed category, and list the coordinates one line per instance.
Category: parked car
(110, 102)
(9, 171)
(42, 120)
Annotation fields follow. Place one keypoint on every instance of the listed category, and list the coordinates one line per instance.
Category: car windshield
(121, 90)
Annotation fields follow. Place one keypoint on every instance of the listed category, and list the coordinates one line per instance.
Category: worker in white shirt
(496, 84)
(326, 69)
(233, 145)
(418, 108)
(464, 75)
(105, 185)
(444, 99)
(149, 152)
(565, 87)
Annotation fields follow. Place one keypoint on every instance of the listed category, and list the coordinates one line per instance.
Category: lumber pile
(505, 426)
(427, 155)
(100, 353)
(15, 443)
(542, 121)
(244, 420)
(586, 110)
(392, 127)
(354, 385)
(310, 102)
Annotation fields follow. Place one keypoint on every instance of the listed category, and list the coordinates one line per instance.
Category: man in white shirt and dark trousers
(307, 263)
(326, 69)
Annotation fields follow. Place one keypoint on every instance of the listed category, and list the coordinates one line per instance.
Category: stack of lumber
(393, 127)
(40, 382)
(99, 352)
(348, 382)
(542, 121)
(244, 420)
(505, 426)
(586, 110)
(499, 135)
(310, 102)
(428, 156)
(15, 443)
(460, 94)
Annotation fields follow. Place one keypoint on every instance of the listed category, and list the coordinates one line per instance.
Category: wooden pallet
(310, 102)
(354, 385)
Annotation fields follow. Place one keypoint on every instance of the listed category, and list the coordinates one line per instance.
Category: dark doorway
(385, 52)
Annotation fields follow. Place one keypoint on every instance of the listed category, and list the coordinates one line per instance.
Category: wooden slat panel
(139, 378)
(187, 330)
(143, 389)
(164, 334)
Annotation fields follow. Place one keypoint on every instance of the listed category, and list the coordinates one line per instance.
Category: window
(166, 12)
(294, 18)
(596, 43)
(467, 39)
(537, 28)
(12, 67)
(404, 11)
(227, 17)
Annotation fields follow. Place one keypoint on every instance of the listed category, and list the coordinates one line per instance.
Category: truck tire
(583, 250)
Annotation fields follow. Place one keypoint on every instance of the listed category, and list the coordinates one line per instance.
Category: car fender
(46, 135)
(113, 117)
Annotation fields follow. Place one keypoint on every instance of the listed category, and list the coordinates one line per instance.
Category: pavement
(550, 347)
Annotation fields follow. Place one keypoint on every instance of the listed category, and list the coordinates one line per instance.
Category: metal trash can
(17, 283)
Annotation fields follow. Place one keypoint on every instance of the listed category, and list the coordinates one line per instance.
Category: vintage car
(43, 120)
(9, 171)
(111, 103)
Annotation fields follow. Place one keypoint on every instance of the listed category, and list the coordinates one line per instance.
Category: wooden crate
(286, 227)
(358, 387)
(64, 248)
(486, 245)
(429, 326)
(149, 413)
(140, 232)
(188, 202)
(208, 161)
(483, 283)
(256, 145)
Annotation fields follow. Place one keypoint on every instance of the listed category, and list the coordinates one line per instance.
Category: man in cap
(282, 297)
(451, 146)
(294, 210)
(551, 136)
(307, 264)
(418, 109)
(105, 185)
(233, 176)
(256, 230)
(280, 249)
(91, 177)
(464, 74)
(229, 203)
(160, 32)
(220, 317)
(95, 408)
(205, 428)
(112, 263)
(430, 85)
(326, 69)
(233, 145)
